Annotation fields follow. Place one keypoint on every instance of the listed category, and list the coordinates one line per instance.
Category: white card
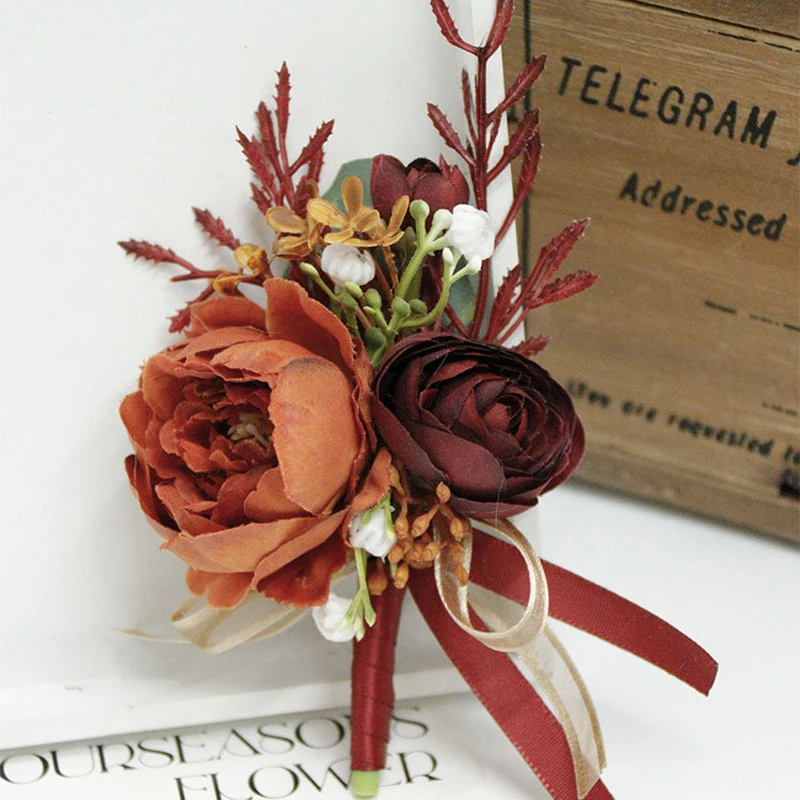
(441, 747)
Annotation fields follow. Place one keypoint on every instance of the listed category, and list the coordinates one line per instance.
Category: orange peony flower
(254, 446)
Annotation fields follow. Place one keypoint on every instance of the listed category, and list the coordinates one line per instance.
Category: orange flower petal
(204, 345)
(344, 236)
(139, 477)
(165, 464)
(236, 549)
(298, 546)
(376, 484)
(192, 521)
(268, 500)
(198, 581)
(306, 580)
(227, 591)
(161, 390)
(399, 211)
(225, 312)
(352, 195)
(325, 213)
(293, 246)
(223, 590)
(294, 317)
(284, 220)
(390, 239)
(261, 360)
(167, 440)
(136, 416)
(232, 497)
(368, 220)
(186, 485)
(316, 437)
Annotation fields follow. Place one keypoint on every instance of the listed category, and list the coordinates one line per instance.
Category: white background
(116, 118)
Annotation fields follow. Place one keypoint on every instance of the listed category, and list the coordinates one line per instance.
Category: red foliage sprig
(138, 248)
(532, 346)
(215, 228)
(157, 254)
(278, 181)
(518, 295)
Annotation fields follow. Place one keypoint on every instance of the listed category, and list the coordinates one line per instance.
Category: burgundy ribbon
(507, 694)
(494, 678)
(596, 610)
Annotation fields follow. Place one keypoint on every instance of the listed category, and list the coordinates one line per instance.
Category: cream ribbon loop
(456, 597)
(530, 638)
(217, 630)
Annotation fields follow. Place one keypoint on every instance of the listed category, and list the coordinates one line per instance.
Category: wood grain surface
(678, 135)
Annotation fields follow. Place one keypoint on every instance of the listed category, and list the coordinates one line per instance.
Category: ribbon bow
(502, 612)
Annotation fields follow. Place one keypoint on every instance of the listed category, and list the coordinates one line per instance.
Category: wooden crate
(676, 129)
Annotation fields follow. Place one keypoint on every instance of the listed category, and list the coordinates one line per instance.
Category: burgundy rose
(494, 426)
(440, 187)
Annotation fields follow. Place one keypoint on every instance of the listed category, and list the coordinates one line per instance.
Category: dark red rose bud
(442, 186)
(494, 426)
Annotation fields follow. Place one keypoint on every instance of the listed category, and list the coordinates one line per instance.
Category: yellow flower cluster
(358, 225)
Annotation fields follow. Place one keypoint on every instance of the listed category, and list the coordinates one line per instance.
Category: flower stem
(411, 269)
(365, 784)
(437, 310)
(479, 180)
(373, 692)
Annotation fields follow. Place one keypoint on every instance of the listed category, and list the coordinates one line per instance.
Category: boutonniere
(368, 415)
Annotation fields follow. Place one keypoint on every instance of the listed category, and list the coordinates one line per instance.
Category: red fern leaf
(259, 162)
(260, 198)
(153, 252)
(537, 289)
(553, 254)
(499, 29)
(282, 89)
(447, 132)
(520, 140)
(314, 146)
(448, 27)
(525, 180)
(530, 164)
(509, 286)
(531, 347)
(524, 81)
(180, 319)
(215, 228)
(466, 93)
(503, 302)
(562, 288)
(266, 130)
(315, 165)
(301, 196)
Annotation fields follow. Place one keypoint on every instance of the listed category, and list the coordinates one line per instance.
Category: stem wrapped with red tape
(372, 687)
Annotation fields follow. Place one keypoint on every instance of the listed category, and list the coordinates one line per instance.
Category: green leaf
(361, 168)
(462, 298)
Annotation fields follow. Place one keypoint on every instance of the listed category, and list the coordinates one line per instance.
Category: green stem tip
(365, 784)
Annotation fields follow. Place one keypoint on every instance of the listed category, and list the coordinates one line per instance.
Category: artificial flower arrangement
(370, 417)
